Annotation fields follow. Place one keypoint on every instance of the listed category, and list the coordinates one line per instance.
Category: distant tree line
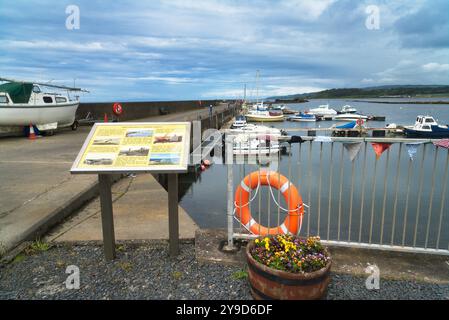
(372, 92)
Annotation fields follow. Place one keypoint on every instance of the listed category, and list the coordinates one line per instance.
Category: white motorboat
(245, 145)
(255, 130)
(302, 117)
(350, 117)
(25, 103)
(255, 139)
(240, 121)
(426, 127)
(259, 106)
(347, 109)
(280, 107)
(323, 110)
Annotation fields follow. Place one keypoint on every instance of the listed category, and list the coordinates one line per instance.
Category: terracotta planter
(267, 283)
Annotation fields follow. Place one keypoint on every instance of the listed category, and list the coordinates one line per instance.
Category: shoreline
(403, 102)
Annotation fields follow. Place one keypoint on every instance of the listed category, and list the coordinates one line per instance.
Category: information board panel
(135, 147)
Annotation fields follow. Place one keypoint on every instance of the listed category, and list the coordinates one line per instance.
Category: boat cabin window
(48, 99)
(61, 99)
(3, 99)
(426, 127)
(36, 89)
(429, 120)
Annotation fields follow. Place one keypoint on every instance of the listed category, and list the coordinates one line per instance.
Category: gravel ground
(146, 272)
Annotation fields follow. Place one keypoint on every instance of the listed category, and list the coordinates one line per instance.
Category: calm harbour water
(205, 197)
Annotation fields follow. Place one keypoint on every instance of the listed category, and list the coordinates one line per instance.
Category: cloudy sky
(198, 49)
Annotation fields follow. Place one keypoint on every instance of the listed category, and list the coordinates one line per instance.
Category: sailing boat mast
(244, 93)
(257, 87)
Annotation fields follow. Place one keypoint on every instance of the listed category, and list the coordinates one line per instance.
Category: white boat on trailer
(23, 103)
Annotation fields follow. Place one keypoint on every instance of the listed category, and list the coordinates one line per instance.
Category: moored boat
(245, 145)
(240, 121)
(302, 117)
(256, 130)
(426, 127)
(254, 139)
(263, 116)
(323, 110)
(347, 109)
(350, 117)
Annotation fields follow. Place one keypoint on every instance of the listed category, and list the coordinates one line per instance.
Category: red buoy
(117, 109)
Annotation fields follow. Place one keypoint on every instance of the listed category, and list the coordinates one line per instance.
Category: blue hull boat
(436, 132)
(303, 117)
(426, 127)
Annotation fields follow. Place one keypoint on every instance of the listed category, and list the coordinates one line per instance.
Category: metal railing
(388, 203)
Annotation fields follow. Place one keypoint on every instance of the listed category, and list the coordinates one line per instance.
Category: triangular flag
(380, 147)
(443, 143)
(412, 149)
(353, 149)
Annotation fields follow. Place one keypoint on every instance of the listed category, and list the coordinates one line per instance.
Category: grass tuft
(240, 275)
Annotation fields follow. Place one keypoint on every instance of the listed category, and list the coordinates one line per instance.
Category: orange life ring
(289, 192)
(117, 109)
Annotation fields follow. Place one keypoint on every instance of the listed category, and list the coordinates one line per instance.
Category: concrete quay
(37, 189)
(140, 213)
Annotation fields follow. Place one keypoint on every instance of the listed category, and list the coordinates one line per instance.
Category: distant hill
(396, 91)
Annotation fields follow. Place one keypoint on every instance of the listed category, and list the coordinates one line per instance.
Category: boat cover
(349, 125)
(19, 92)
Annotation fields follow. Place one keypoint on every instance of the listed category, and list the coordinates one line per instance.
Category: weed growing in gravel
(239, 275)
(19, 258)
(37, 246)
(2, 249)
(125, 266)
(177, 275)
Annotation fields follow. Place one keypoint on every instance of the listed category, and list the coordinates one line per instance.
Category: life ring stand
(117, 109)
(293, 220)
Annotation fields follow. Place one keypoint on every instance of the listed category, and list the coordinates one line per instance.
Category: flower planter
(267, 283)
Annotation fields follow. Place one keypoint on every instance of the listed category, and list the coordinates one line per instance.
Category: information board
(135, 147)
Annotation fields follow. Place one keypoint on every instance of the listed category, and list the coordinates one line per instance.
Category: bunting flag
(322, 139)
(353, 149)
(443, 143)
(379, 148)
(412, 149)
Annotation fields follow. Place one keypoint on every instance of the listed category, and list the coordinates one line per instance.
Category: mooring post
(107, 218)
(173, 218)
(230, 196)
